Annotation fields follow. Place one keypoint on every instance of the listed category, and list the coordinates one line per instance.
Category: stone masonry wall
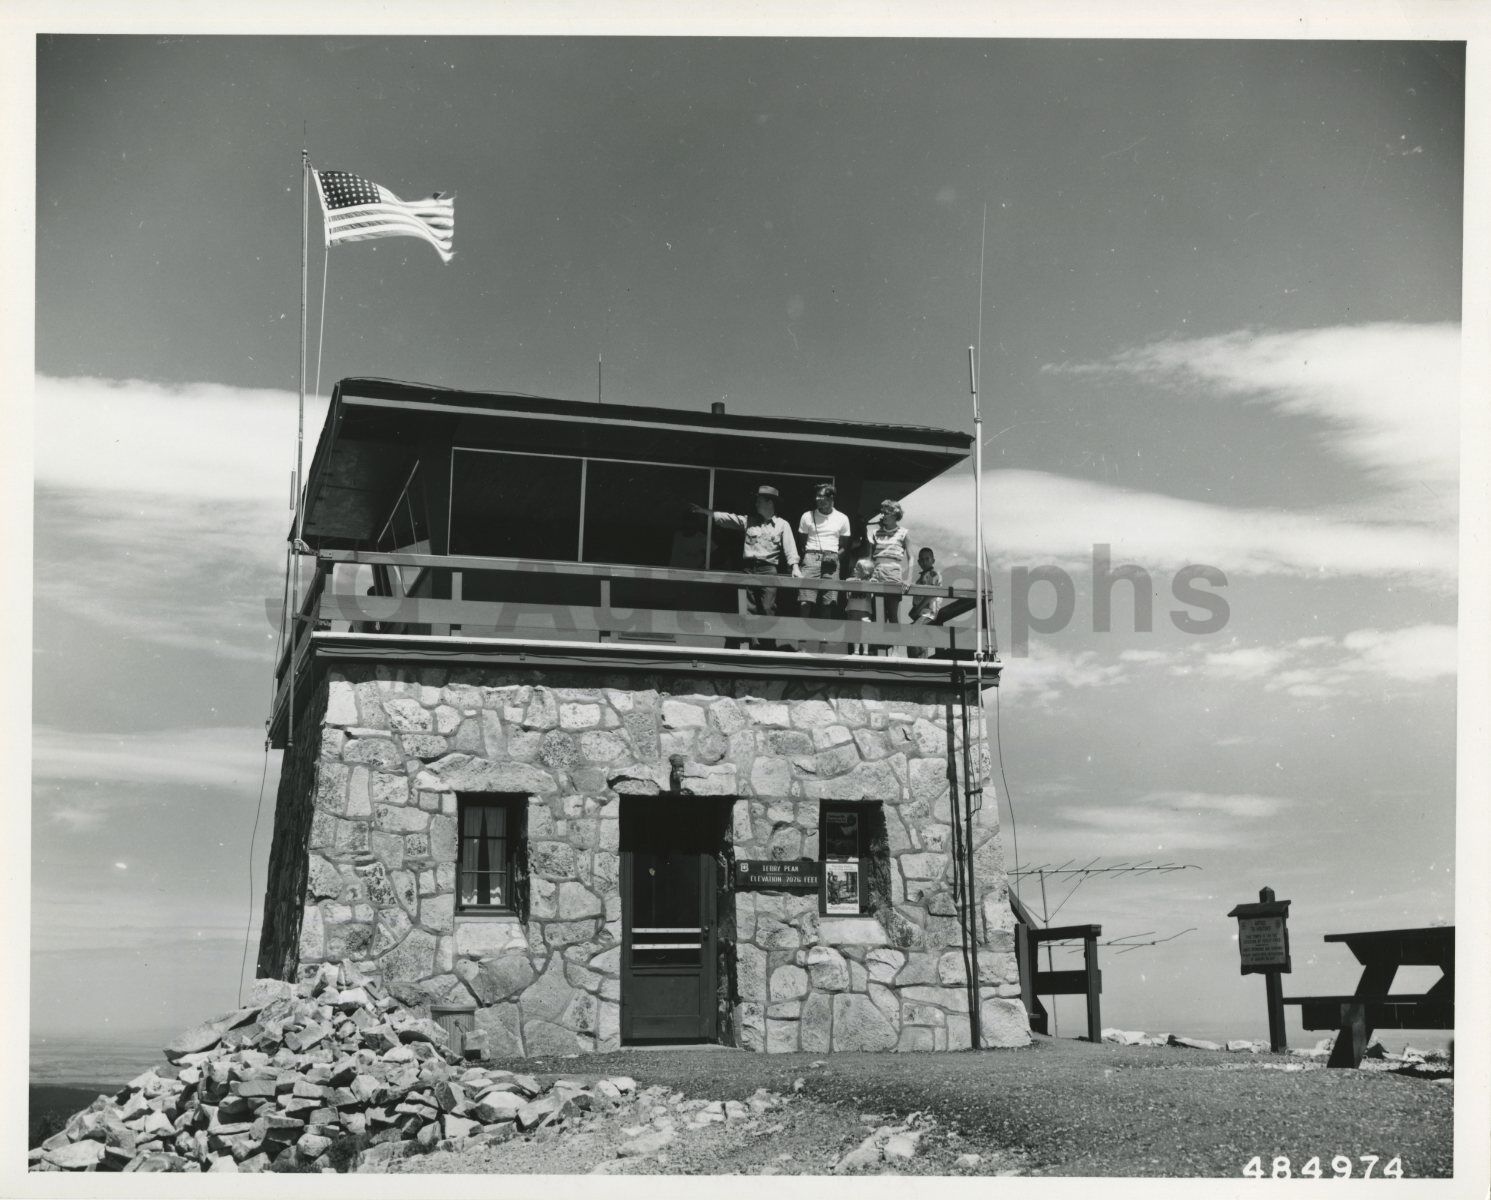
(380, 885)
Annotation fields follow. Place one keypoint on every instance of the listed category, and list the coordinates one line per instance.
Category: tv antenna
(1082, 874)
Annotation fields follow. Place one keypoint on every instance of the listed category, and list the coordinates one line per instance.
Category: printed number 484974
(1341, 1168)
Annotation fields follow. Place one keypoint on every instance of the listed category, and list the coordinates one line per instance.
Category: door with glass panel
(669, 876)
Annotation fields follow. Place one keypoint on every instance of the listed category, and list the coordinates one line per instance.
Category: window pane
(515, 505)
(484, 866)
(483, 887)
(471, 876)
(844, 832)
(637, 513)
(840, 833)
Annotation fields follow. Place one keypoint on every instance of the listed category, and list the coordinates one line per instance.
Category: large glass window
(509, 505)
(638, 513)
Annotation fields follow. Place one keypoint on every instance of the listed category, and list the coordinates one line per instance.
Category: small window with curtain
(491, 856)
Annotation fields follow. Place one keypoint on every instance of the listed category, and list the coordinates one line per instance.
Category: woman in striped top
(890, 552)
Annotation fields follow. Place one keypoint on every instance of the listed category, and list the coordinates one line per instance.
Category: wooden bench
(1372, 1006)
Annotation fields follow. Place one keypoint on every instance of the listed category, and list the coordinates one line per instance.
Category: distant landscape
(68, 1073)
(89, 1060)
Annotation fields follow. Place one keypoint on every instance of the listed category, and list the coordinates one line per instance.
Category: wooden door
(669, 876)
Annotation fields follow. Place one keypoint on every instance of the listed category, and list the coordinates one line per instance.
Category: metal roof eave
(391, 394)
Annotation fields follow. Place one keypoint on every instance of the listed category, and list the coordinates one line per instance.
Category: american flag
(358, 210)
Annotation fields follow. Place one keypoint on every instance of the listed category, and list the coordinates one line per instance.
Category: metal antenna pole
(973, 784)
(1046, 920)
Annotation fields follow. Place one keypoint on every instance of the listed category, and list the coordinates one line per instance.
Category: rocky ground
(335, 1075)
(663, 1132)
(1059, 1107)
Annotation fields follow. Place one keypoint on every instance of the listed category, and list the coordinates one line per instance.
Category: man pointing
(768, 541)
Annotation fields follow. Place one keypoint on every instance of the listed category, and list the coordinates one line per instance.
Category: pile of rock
(659, 1113)
(1137, 1037)
(1134, 1037)
(888, 1144)
(1429, 1062)
(329, 1074)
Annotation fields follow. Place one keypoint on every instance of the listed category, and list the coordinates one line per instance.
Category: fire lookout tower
(545, 766)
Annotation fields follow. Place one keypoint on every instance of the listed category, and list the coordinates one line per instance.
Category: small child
(924, 608)
(859, 605)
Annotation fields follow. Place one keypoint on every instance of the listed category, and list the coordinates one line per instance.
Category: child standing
(857, 605)
(924, 608)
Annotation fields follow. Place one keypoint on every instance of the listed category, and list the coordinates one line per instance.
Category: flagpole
(305, 234)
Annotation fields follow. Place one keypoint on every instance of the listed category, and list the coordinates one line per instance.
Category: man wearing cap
(825, 533)
(768, 540)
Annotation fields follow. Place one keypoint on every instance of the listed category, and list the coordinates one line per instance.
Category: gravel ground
(1061, 1107)
(804, 1137)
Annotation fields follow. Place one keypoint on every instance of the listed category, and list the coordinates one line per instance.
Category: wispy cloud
(1418, 652)
(1384, 396)
(162, 511)
(1045, 674)
(1309, 667)
(162, 569)
(1246, 662)
(215, 757)
(134, 917)
(1324, 666)
(1155, 823)
(199, 441)
(1046, 518)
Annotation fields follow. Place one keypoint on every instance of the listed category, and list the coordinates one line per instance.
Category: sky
(1221, 326)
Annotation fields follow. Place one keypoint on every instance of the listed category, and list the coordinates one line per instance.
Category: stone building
(548, 774)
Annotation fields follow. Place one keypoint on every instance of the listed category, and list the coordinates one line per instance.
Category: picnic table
(1372, 1006)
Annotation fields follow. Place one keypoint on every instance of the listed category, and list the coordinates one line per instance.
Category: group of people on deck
(831, 550)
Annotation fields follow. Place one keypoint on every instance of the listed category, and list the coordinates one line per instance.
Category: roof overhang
(376, 430)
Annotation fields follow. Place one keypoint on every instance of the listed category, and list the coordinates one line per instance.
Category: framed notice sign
(841, 887)
(1262, 943)
(843, 832)
(1263, 936)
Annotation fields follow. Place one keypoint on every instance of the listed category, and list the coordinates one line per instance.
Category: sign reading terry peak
(758, 874)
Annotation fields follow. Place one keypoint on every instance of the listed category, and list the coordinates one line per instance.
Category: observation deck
(455, 527)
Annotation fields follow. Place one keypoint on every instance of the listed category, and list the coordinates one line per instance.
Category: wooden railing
(717, 616)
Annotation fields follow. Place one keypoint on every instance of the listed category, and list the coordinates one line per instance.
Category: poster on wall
(841, 886)
(840, 834)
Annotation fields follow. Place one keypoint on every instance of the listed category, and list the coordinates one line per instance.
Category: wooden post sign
(1263, 944)
(775, 875)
